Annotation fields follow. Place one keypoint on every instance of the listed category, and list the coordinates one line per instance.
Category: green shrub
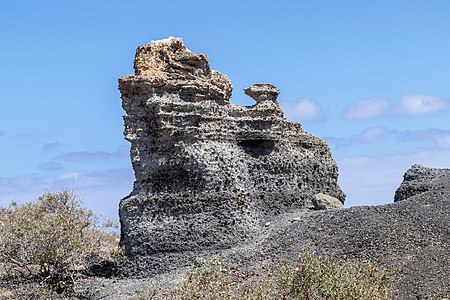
(51, 238)
(320, 277)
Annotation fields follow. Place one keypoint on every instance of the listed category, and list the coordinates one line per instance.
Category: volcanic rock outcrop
(210, 173)
(419, 179)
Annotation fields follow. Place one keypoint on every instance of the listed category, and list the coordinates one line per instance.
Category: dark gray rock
(209, 174)
(419, 179)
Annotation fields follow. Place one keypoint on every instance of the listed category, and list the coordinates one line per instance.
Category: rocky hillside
(410, 237)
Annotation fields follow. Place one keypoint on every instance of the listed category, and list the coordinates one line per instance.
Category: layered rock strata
(419, 179)
(209, 173)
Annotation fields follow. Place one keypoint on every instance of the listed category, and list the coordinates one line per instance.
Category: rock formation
(419, 179)
(210, 173)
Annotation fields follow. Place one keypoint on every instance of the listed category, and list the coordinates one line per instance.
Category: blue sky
(371, 78)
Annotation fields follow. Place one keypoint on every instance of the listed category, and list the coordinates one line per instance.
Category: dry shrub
(212, 279)
(311, 277)
(51, 239)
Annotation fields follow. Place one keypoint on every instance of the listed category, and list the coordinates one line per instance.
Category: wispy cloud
(50, 147)
(368, 135)
(69, 176)
(105, 178)
(100, 190)
(51, 166)
(410, 105)
(440, 137)
(373, 134)
(88, 156)
(304, 110)
(395, 141)
(24, 183)
(444, 141)
(415, 104)
(85, 156)
(367, 109)
(23, 136)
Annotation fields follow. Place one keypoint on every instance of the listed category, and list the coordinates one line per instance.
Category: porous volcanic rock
(419, 179)
(209, 173)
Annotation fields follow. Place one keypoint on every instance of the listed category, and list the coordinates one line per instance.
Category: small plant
(320, 277)
(51, 238)
(311, 277)
(210, 280)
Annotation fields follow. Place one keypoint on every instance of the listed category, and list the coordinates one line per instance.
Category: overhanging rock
(209, 173)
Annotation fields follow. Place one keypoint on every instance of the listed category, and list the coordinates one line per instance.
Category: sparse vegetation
(312, 277)
(50, 240)
(212, 279)
(320, 277)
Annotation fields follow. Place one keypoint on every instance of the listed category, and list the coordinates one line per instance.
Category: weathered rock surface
(322, 201)
(209, 174)
(419, 179)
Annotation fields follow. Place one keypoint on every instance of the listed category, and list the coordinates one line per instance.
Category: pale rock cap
(323, 201)
(262, 92)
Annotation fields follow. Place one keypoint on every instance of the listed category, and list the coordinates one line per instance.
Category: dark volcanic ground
(410, 237)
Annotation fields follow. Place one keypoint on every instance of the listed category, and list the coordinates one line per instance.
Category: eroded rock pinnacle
(209, 173)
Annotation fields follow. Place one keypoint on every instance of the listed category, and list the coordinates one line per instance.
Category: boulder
(322, 201)
(209, 173)
(419, 179)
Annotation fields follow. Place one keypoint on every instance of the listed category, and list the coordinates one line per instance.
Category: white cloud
(88, 156)
(368, 135)
(430, 138)
(51, 166)
(443, 141)
(100, 191)
(415, 104)
(410, 105)
(440, 137)
(51, 147)
(372, 134)
(367, 109)
(20, 183)
(304, 110)
(69, 176)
